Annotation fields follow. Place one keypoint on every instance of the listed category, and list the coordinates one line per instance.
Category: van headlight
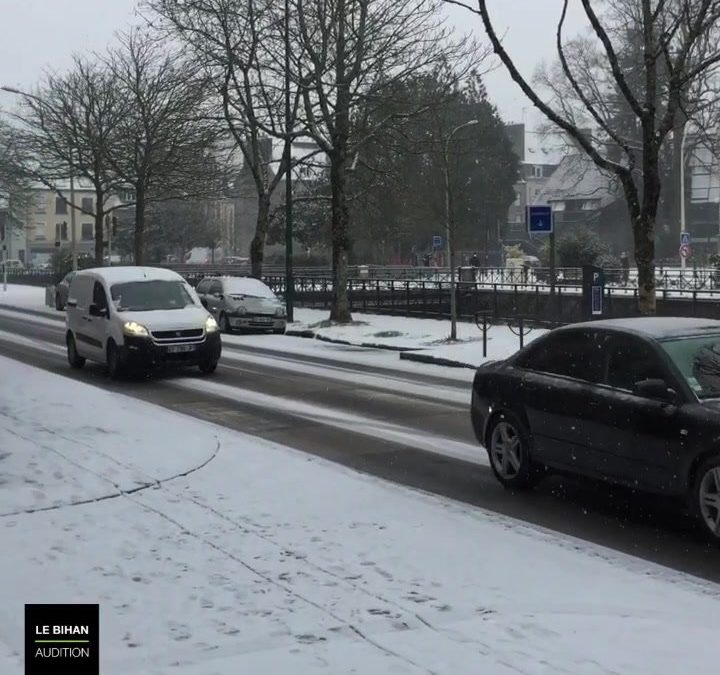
(135, 329)
(280, 311)
(210, 325)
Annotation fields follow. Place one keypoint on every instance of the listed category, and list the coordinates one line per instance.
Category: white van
(140, 317)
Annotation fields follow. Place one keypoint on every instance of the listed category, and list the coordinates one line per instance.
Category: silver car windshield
(698, 359)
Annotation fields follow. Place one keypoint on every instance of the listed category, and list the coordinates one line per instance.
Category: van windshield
(146, 296)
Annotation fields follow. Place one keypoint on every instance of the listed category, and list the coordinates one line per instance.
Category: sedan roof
(658, 327)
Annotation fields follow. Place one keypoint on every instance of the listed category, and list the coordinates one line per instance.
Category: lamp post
(450, 227)
(683, 260)
(289, 281)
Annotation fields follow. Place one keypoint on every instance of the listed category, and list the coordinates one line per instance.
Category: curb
(59, 317)
(436, 360)
(367, 345)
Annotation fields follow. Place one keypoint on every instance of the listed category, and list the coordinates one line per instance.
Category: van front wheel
(114, 366)
(74, 359)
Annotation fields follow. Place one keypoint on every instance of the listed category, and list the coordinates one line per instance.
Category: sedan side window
(630, 360)
(215, 288)
(574, 354)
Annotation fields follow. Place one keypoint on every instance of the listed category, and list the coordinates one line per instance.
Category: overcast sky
(44, 33)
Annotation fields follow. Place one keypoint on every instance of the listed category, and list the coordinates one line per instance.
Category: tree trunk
(139, 235)
(340, 308)
(257, 246)
(644, 225)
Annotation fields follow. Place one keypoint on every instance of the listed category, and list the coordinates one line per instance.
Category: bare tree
(675, 54)
(353, 54)
(167, 147)
(69, 124)
(239, 43)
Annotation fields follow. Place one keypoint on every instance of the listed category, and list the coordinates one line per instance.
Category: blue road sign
(685, 239)
(437, 241)
(539, 219)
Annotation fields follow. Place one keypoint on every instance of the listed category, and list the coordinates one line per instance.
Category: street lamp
(683, 261)
(73, 242)
(450, 227)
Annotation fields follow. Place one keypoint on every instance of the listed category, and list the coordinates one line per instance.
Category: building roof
(655, 326)
(542, 148)
(578, 177)
(129, 273)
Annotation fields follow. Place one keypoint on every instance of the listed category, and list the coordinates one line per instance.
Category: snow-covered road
(266, 560)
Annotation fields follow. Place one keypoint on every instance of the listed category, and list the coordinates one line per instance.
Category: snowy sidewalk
(266, 560)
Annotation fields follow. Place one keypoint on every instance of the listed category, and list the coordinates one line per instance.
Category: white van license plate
(180, 349)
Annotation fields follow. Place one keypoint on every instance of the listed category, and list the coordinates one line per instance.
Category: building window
(87, 205)
(40, 237)
(537, 171)
(60, 206)
(61, 232)
(87, 233)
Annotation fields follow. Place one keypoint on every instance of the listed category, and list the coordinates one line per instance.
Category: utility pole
(450, 227)
(73, 242)
(289, 280)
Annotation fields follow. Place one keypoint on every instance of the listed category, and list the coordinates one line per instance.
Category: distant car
(242, 303)
(12, 264)
(235, 260)
(629, 401)
(62, 290)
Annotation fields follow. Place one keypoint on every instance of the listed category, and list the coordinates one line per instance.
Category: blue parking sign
(539, 219)
(437, 241)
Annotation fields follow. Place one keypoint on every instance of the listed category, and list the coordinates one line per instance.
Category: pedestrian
(625, 264)
(426, 260)
(474, 260)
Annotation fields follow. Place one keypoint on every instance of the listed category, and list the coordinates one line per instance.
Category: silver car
(242, 303)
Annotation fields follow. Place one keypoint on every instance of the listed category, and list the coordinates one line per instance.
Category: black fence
(429, 298)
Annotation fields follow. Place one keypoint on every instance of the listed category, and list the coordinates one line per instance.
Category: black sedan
(629, 401)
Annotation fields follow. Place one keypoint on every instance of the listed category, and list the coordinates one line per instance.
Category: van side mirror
(94, 310)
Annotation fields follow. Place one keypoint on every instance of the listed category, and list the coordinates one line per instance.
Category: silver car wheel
(709, 496)
(505, 450)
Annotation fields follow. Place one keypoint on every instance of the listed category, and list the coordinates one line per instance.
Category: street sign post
(684, 248)
(539, 219)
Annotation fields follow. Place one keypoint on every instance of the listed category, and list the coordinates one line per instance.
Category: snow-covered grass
(430, 336)
(25, 297)
(266, 560)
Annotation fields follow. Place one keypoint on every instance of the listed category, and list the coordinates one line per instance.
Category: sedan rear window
(247, 286)
(698, 359)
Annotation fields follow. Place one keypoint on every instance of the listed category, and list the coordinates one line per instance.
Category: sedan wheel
(224, 322)
(505, 450)
(509, 450)
(708, 496)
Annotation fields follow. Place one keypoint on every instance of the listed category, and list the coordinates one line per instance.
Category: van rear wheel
(74, 359)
